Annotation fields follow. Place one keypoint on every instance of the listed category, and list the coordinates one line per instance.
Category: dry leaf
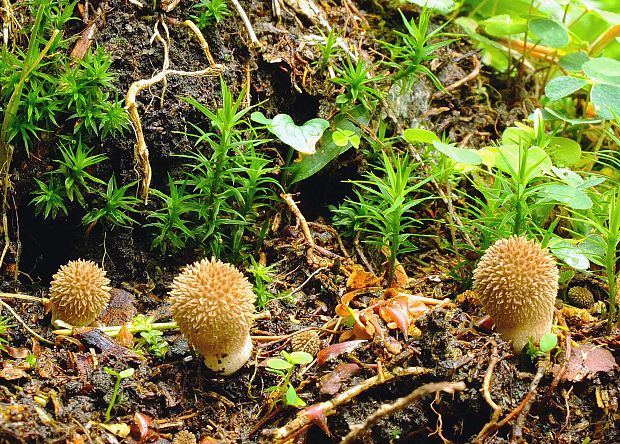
(588, 360)
(330, 384)
(361, 279)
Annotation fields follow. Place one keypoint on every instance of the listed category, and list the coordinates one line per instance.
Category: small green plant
(127, 373)
(210, 11)
(417, 46)
(545, 346)
(384, 207)
(116, 207)
(171, 220)
(329, 49)
(151, 338)
(263, 276)
(285, 369)
(359, 86)
(74, 165)
(4, 326)
(49, 199)
(344, 137)
(601, 241)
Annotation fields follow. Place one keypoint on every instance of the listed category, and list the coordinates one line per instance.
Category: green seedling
(76, 160)
(359, 85)
(329, 49)
(285, 368)
(545, 346)
(210, 11)
(49, 199)
(345, 137)
(116, 207)
(151, 338)
(127, 373)
(4, 326)
(263, 276)
(383, 209)
(417, 46)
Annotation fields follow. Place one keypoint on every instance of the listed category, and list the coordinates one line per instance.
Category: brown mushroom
(517, 282)
(79, 292)
(212, 303)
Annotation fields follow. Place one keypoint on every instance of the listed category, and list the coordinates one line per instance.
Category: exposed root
(246, 22)
(21, 321)
(388, 409)
(141, 152)
(486, 386)
(525, 404)
(303, 420)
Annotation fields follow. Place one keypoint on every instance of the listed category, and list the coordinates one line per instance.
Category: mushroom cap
(517, 282)
(79, 292)
(212, 303)
(306, 341)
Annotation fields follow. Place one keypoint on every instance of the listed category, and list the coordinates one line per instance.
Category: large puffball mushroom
(517, 282)
(79, 292)
(212, 303)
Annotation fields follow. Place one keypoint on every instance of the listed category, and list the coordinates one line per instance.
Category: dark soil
(63, 398)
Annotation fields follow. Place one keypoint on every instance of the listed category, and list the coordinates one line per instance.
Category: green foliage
(599, 227)
(301, 138)
(116, 207)
(4, 326)
(151, 338)
(210, 11)
(546, 344)
(285, 369)
(417, 46)
(127, 373)
(49, 199)
(73, 166)
(359, 85)
(263, 276)
(225, 183)
(599, 76)
(329, 49)
(383, 209)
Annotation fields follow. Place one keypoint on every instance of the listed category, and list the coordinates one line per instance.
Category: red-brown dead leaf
(333, 351)
(588, 360)
(124, 337)
(316, 415)
(11, 373)
(17, 353)
(142, 428)
(330, 384)
(360, 279)
(396, 310)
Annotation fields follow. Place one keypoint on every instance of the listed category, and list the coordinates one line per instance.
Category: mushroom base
(521, 335)
(229, 363)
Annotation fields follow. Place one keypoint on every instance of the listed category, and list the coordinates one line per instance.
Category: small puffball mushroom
(212, 303)
(79, 292)
(517, 282)
(306, 341)
(580, 297)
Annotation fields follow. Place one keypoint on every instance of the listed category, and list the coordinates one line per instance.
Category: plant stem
(113, 399)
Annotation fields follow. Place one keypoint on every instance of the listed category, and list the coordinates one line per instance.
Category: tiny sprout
(284, 368)
(127, 373)
(344, 137)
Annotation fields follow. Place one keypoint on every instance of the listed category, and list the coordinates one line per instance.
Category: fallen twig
(388, 409)
(21, 321)
(493, 426)
(303, 420)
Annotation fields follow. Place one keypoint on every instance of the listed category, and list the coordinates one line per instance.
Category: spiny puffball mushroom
(212, 303)
(79, 292)
(517, 282)
(580, 297)
(306, 341)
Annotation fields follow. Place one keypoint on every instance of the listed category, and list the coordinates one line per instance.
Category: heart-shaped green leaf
(565, 194)
(564, 152)
(460, 155)
(574, 61)
(503, 25)
(413, 135)
(302, 138)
